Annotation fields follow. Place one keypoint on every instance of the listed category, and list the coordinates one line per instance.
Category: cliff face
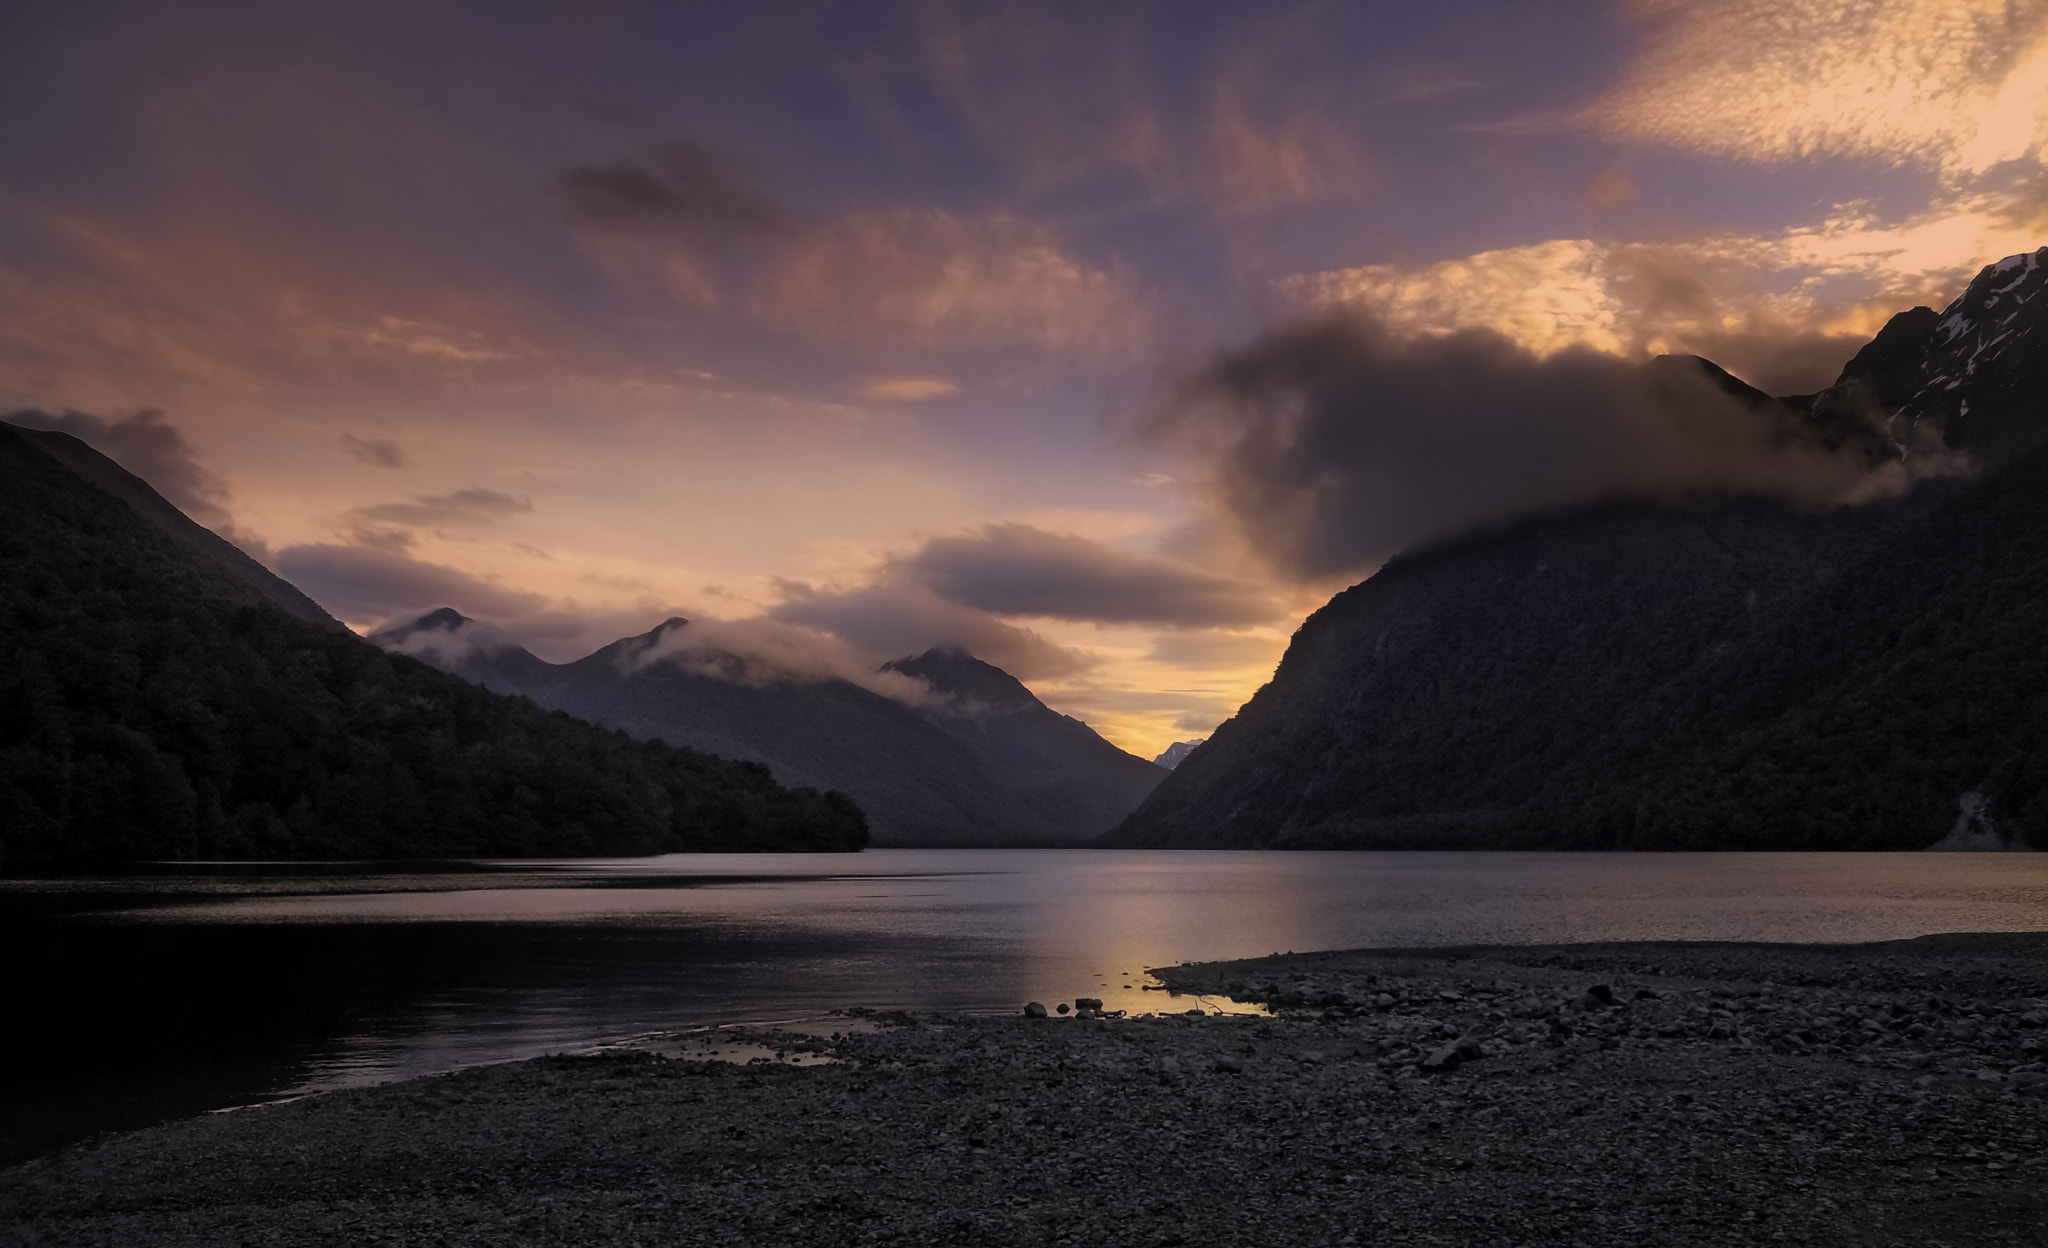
(1719, 672)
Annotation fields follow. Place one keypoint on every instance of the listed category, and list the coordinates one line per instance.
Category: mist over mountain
(164, 696)
(1718, 667)
(963, 755)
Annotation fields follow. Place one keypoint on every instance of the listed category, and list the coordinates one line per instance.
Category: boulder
(1035, 1009)
(1087, 1003)
(1442, 1060)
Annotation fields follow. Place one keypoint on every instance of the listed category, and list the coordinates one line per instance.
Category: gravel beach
(1589, 1094)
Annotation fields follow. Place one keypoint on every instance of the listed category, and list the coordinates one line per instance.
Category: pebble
(1632, 1124)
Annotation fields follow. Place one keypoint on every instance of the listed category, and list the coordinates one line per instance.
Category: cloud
(471, 506)
(1954, 84)
(378, 453)
(445, 644)
(1016, 569)
(930, 276)
(956, 590)
(1609, 189)
(1337, 443)
(360, 584)
(152, 448)
(1215, 650)
(764, 651)
(1784, 309)
(907, 389)
(1632, 299)
(893, 617)
(682, 185)
(1261, 166)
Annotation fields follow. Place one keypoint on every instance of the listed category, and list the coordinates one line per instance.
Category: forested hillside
(1706, 673)
(152, 706)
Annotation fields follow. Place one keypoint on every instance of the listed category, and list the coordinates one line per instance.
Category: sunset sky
(864, 327)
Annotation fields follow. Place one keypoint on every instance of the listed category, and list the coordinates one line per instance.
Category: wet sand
(1592, 1094)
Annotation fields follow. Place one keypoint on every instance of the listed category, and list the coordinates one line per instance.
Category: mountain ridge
(983, 763)
(1643, 674)
(160, 699)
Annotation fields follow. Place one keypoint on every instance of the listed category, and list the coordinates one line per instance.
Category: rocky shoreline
(1590, 1094)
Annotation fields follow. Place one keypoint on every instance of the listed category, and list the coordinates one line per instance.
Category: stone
(1034, 1009)
(1064, 1007)
(1443, 1060)
(1087, 1003)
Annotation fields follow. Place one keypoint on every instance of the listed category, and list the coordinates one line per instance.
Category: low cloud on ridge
(758, 652)
(1334, 443)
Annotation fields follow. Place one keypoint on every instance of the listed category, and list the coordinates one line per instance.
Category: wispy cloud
(377, 452)
(907, 389)
(470, 506)
(681, 185)
(1783, 309)
(930, 276)
(1954, 84)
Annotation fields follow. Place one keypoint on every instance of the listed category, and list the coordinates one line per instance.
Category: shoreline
(1824, 1094)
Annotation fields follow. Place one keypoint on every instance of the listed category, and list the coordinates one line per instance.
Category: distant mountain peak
(976, 687)
(439, 620)
(1965, 378)
(1172, 755)
(661, 631)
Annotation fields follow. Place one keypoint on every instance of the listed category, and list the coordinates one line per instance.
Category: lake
(180, 988)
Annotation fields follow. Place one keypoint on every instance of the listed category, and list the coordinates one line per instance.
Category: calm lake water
(185, 988)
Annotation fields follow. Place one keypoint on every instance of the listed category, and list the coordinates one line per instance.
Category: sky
(1105, 340)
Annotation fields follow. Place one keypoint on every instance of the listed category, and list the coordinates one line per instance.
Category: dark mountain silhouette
(1712, 673)
(231, 574)
(163, 696)
(983, 762)
(1061, 766)
(453, 642)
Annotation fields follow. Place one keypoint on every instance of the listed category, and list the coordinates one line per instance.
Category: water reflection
(167, 991)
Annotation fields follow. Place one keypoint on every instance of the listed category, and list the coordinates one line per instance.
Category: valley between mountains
(1676, 670)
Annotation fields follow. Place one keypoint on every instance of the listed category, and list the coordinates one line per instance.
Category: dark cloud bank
(1336, 445)
(682, 185)
(462, 507)
(1016, 569)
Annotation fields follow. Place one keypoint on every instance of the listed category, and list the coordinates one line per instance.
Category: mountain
(1061, 766)
(982, 762)
(1714, 673)
(231, 575)
(456, 644)
(1173, 755)
(163, 696)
